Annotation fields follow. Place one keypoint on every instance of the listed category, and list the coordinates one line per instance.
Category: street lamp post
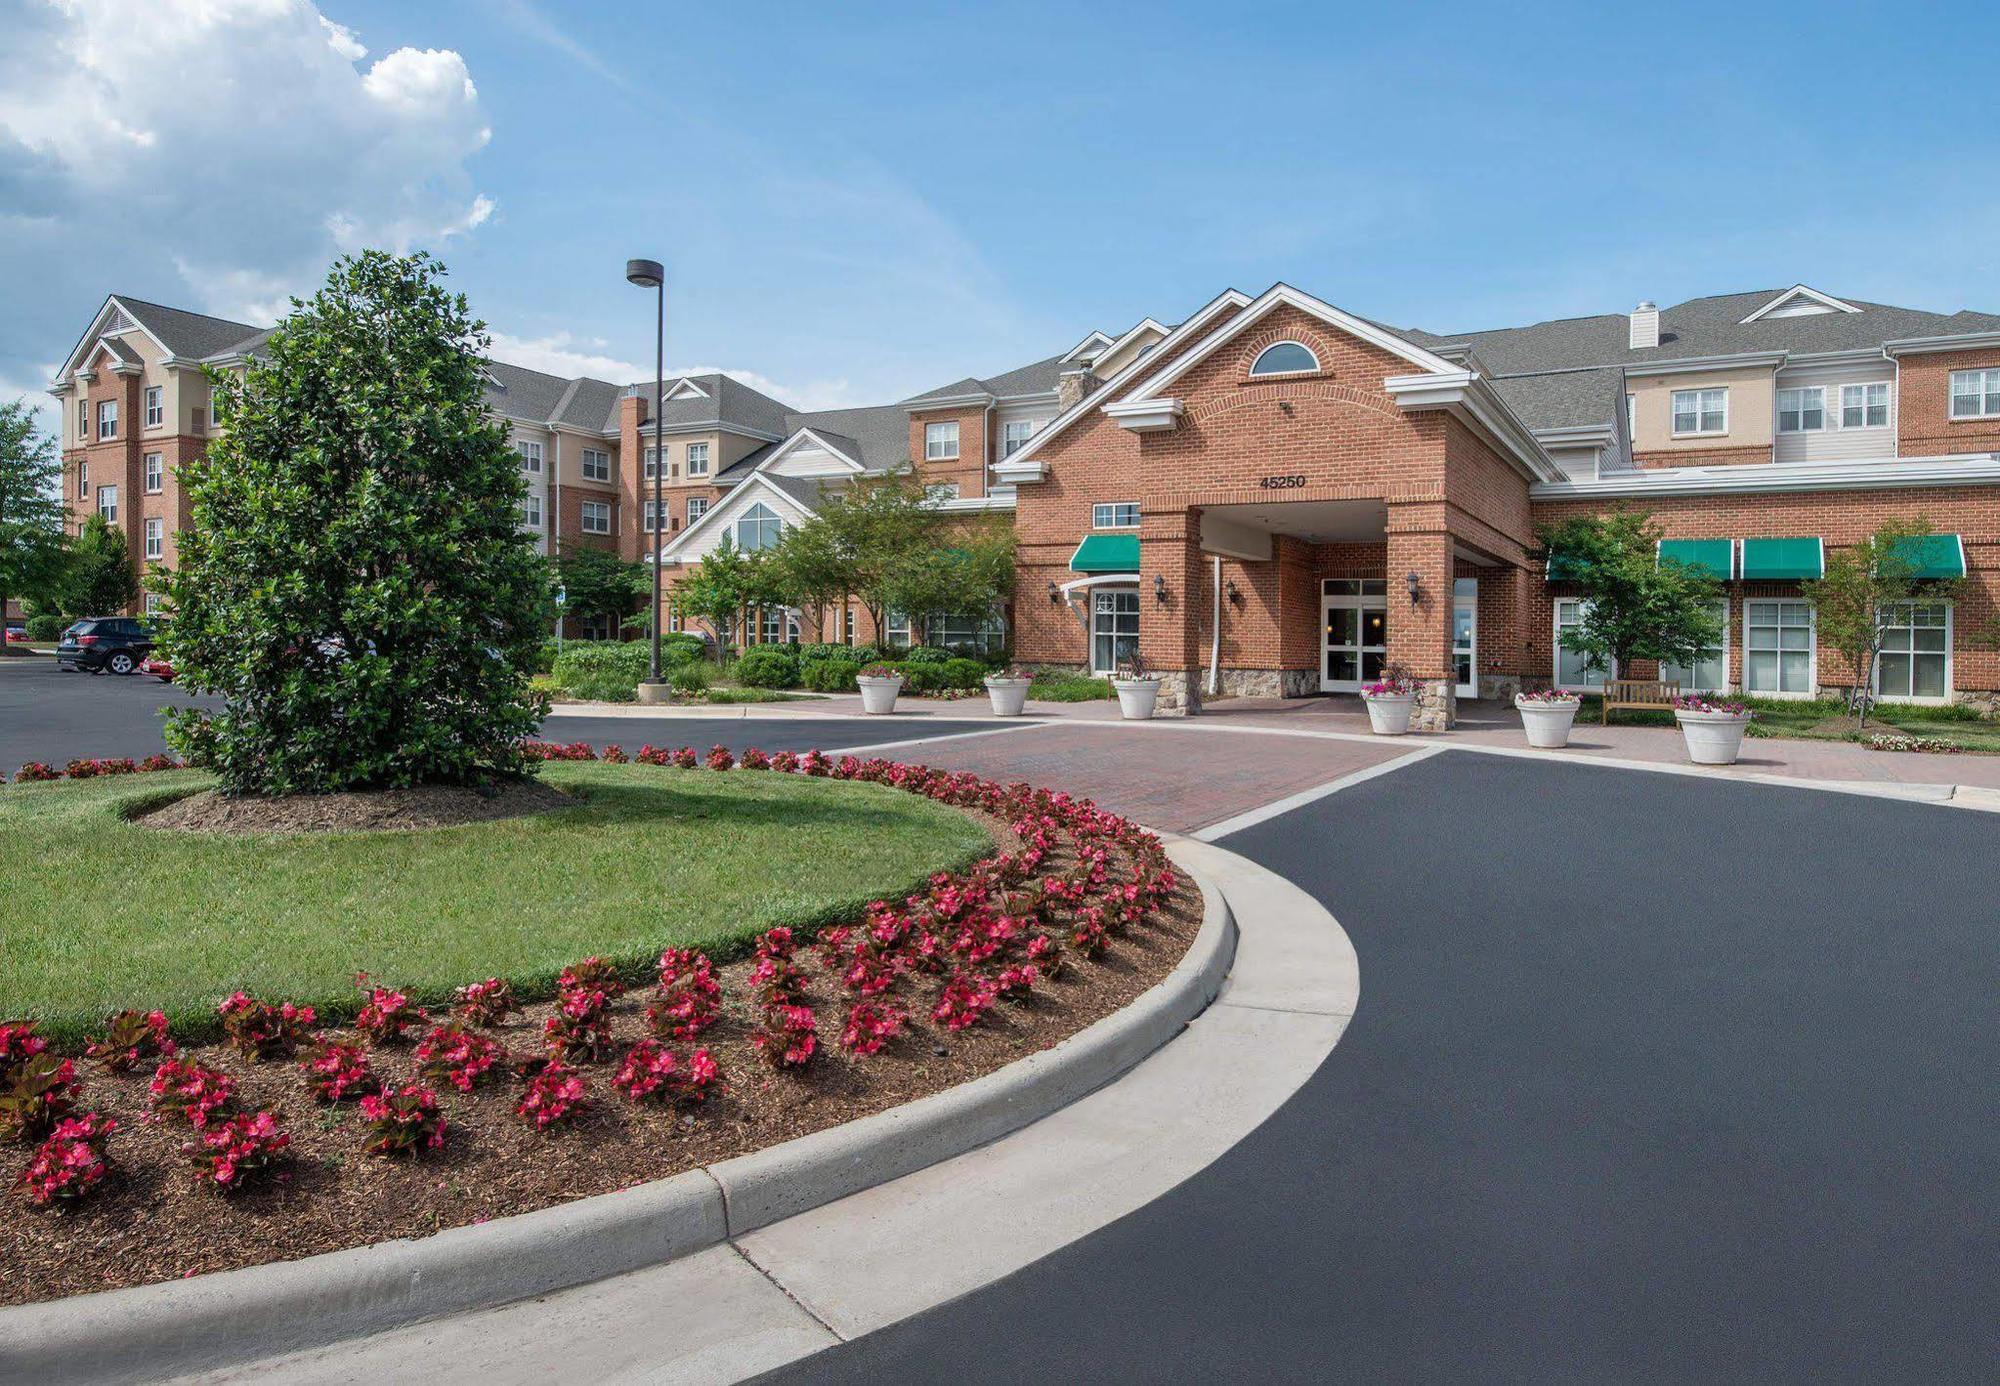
(651, 274)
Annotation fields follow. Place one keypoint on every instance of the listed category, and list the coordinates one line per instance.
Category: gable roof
(1035, 378)
(182, 333)
(1812, 300)
(800, 495)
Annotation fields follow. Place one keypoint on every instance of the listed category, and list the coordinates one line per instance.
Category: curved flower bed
(143, 1159)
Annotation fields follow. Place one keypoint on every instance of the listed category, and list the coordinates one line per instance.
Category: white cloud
(239, 141)
(565, 354)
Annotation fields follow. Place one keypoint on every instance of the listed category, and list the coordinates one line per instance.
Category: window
(82, 480)
(697, 507)
(83, 421)
(757, 528)
(531, 511)
(1114, 515)
(1916, 651)
(1631, 415)
(1701, 411)
(1778, 648)
(594, 517)
(531, 455)
(1799, 411)
(848, 625)
(697, 459)
(1114, 628)
(652, 519)
(940, 441)
(1710, 672)
(985, 636)
(1014, 435)
(107, 418)
(152, 603)
(215, 409)
(896, 628)
(596, 465)
(778, 625)
(156, 406)
(156, 538)
(652, 462)
(1571, 671)
(1975, 394)
(1284, 358)
(941, 491)
(155, 473)
(1864, 406)
(107, 504)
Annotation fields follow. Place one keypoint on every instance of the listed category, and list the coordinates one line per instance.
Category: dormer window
(1284, 358)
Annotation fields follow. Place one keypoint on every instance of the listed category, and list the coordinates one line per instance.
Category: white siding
(724, 520)
(806, 460)
(1577, 464)
(1834, 443)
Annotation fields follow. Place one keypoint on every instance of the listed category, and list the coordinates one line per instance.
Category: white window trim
(151, 397)
(1725, 685)
(155, 477)
(530, 453)
(1673, 412)
(1556, 651)
(1311, 355)
(697, 507)
(1007, 426)
(1989, 410)
(934, 450)
(697, 459)
(1911, 699)
(111, 490)
(594, 517)
(599, 459)
(107, 409)
(1091, 628)
(1888, 407)
(156, 538)
(649, 517)
(1812, 652)
(1099, 508)
(1778, 413)
(531, 511)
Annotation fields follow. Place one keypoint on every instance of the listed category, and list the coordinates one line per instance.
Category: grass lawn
(1826, 720)
(100, 914)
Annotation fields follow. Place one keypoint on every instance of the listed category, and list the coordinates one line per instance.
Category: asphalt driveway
(1653, 1079)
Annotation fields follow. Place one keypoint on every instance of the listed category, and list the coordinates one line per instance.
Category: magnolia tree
(31, 509)
(96, 577)
(356, 584)
(1636, 606)
(1859, 597)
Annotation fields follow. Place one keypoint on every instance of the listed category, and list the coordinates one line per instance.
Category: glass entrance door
(1465, 635)
(1354, 630)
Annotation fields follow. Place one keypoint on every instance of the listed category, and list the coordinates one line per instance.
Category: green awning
(1716, 557)
(1563, 567)
(1106, 553)
(1778, 560)
(1934, 555)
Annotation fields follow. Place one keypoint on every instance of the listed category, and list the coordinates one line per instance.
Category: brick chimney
(1073, 384)
(1645, 326)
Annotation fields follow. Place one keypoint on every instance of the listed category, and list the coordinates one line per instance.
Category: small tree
(356, 584)
(963, 571)
(1637, 607)
(97, 577)
(876, 524)
(716, 590)
(812, 570)
(1854, 600)
(31, 509)
(596, 583)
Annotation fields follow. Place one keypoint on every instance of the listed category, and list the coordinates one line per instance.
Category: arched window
(757, 528)
(1284, 358)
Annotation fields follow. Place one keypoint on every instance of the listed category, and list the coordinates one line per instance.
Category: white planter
(1713, 738)
(878, 696)
(1009, 696)
(1547, 724)
(1136, 697)
(1389, 713)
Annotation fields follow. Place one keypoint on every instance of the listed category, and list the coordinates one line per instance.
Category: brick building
(1272, 495)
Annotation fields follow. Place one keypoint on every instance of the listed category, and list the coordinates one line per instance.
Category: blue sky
(857, 202)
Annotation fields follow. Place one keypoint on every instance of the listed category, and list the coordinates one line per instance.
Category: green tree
(596, 583)
(356, 584)
(812, 570)
(97, 577)
(716, 590)
(877, 524)
(963, 571)
(31, 509)
(1854, 600)
(1637, 607)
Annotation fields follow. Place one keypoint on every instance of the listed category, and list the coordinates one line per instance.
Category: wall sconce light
(1415, 584)
(1160, 587)
(1055, 595)
(1235, 595)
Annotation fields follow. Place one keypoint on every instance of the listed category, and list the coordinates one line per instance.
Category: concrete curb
(214, 1321)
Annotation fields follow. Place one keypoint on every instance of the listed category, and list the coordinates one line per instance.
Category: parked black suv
(116, 643)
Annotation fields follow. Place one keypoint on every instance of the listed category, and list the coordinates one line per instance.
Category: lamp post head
(647, 274)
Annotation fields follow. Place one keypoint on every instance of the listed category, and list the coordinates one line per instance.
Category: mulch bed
(150, 1221)
(427, 806)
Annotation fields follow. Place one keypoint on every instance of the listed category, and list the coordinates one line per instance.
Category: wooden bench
(1650, 695)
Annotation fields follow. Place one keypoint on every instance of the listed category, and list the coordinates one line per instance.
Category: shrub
(788, 1037)
(91, 769)
(486, 1003)
(613, 754)
(602, 688)
(687, 678)
(34, 771)
(870, 1025)
(157, 762)
(678, 647)
(964, 673)
(402, 1120)
(1068, 686)
(41, 1093)
(261, 1031)
(71, 1162)
(754, 759)
(837, 654)
(592, 972)
(335, 1072)
(238, 1145)
(555, 1094)
(580, 1029)
(925, 654)
(718, 757)
(768, 666)
(387, 1017)
(690, 997)
(130, 1036)
(619, 661)
(184, 1088)
(830, 676)
(47, 626)
(652, 1071)
(452, 1054)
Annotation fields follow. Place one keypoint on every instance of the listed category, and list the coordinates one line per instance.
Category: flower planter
(1713, 738)
(1547, 723)
(878, 695)
(1136, 697)
(1389, 713)
(1009, 696)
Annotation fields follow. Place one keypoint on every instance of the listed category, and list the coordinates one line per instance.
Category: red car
(158, 668)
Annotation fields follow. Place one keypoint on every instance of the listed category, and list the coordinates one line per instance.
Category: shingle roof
(879, 433)
(727, 402)
(187, 334)
(520, 393)
(1036, 378)
(1563, 399)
